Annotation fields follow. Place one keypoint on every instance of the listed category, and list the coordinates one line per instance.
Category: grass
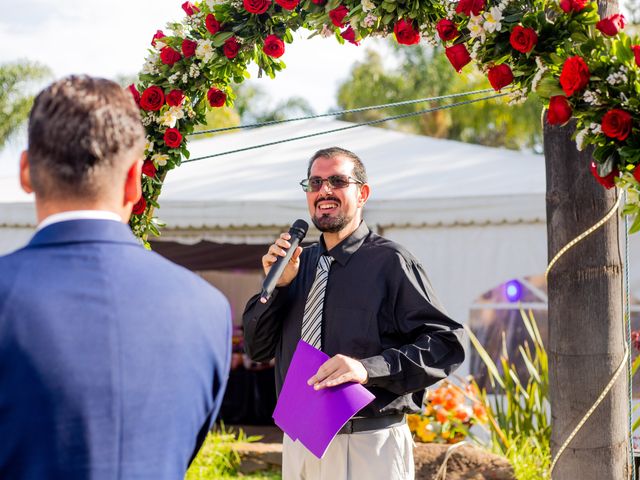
(217, 460)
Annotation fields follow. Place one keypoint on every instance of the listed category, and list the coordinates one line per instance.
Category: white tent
(474, 215)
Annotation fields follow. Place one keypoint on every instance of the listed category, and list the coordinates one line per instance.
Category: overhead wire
(348, 127)
(341, 112)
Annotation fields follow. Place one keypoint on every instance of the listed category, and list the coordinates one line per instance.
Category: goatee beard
(328, 224)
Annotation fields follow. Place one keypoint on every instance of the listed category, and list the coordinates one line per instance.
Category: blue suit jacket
(113, 360)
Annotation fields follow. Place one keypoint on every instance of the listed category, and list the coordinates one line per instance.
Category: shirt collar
(79, 215)
(347, 247)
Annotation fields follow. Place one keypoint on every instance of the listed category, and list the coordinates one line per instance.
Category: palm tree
(17, 80)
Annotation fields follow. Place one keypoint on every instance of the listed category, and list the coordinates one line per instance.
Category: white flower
(368, 5)
(211, 3)
(493, 18)
(617, 78)
(326, 32)
(591, 97)
(539, 74)
(173, 78)
(150, 64)
(148, 147)
(204, 50)
(194, 71)
(580, 138)
(171, 116)
(370, 20)
(185, 78)
(176, 28)
(476, 29)
(517, 96)
(160, 159)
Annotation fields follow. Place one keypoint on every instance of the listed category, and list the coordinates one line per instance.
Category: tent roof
(416, 180)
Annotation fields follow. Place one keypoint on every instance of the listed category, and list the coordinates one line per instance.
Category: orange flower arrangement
(449, 412)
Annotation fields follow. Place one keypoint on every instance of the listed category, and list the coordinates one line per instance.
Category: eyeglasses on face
(314, 184)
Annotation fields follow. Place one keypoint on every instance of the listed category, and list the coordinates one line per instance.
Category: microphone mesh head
(299, 228)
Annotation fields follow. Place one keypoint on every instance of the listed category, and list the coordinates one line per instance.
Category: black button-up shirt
(379, 307)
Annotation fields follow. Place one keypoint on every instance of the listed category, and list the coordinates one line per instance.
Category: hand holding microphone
(281, 263)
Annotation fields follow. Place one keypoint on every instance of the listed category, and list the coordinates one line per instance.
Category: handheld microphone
(297, 231)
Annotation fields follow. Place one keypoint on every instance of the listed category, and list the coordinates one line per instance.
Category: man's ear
(363, 194)
(25, 172)
(133, 183)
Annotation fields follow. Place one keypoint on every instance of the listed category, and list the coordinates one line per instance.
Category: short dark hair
(81, 132)
(359, 172)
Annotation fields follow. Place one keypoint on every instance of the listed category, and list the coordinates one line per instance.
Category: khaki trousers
(385, 454)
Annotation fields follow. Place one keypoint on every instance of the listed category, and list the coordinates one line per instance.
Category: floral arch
(582, 66)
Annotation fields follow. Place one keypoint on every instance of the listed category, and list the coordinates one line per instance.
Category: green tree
(17, 80)
(253, 105)
(426, 72)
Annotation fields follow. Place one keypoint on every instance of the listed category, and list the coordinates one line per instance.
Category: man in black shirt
(376, 317)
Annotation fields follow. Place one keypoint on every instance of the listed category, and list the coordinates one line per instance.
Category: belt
(372, 423)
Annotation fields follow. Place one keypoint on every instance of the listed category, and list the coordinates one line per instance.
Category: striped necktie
(312, 318)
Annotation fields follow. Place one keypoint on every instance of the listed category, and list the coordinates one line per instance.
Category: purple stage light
(513, 291)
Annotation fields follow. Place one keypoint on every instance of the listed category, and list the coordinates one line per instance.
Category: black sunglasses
(314, 184)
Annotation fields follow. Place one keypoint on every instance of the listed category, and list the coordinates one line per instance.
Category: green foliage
(253, 105)
(518, 411)
(217, 459)
(425, 72)
(483, 38)
(16, 82)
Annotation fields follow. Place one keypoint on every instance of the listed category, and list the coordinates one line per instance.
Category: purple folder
(315, 417)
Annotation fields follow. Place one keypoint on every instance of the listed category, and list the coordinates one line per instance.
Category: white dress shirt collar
(79, 215)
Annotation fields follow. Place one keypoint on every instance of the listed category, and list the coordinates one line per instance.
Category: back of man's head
(84, 135)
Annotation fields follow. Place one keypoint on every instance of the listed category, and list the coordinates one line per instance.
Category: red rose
(574, 76)
(350, 35)
(149, 169)
(470, 6)
(405, 33)
(273, 46)
(140, 207)
(256, 6)
(152, 99)
(560, 110)
(175, 98)
(500, 76)
(189, 48)
(636, 52)
(611, 25)
(216, 97)
(636, 173)
(608, 181)
(288, 4)
(169, 56)
(172, 138)
(319, 2)
(447, 30)
(189, 8)
(212, 24)
(136, 94)
(337, 15)
(157, 36)
(573, 5)
(617, 123)
(231, 47)
(458, 55)
(523, 39)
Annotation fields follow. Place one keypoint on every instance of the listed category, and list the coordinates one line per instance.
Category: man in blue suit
(113, 361)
